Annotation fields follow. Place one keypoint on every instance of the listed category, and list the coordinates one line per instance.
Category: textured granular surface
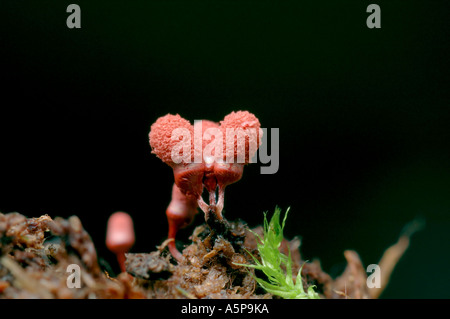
(36, 253)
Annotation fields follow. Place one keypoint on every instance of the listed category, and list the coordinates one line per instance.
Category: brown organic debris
(35, 254)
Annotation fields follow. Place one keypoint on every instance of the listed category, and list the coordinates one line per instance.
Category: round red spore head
(243, 130)
(208, 139)
(120, 232)
(206, 125)
(161, 133)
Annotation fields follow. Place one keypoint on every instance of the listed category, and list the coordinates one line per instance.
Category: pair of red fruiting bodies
(191, 177)
(212, 174)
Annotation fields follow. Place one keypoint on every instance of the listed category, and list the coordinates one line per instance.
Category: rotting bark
(35, 253)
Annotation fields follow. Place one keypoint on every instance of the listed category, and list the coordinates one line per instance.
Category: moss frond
(280, 282)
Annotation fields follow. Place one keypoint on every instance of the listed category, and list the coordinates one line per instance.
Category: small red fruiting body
(180, 213)
(120, 236)
(213, 171)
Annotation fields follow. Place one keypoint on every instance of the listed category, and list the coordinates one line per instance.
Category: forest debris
(393, 254)
(314, 275)
(352, 283)
(144, 265)
(23, 280)
(17, 230)
(388, 262)
(213, 283)
(73, 234)
(35, 253)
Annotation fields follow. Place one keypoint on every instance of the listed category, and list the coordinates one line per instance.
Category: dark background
(363, 117)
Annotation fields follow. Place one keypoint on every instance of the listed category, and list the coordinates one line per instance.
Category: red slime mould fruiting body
(180, 213)
(215, 169)
(120, 236)
(249, 124)
(188, 176)
(161, 136)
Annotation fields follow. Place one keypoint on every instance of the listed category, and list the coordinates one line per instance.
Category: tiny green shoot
(280, 282)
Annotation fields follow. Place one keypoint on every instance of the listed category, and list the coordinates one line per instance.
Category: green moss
(280, 282)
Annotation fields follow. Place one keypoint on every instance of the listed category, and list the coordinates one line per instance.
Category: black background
(363, 117)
